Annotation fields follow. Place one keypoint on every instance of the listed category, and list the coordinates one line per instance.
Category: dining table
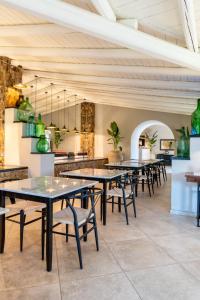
(103, 176)
(133, 164)
(44, 189)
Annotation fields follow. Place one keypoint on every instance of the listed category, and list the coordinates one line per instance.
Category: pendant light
(68, 131)
(57, 130)
(46, 95)
(36, 81)
(51, 126)
(64, 129)
(75, 129)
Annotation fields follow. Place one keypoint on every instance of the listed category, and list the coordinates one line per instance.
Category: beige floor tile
(141, 253)
(165, 283)
(193, 267)
(112, 287)
(47, 292)
(94, 263)
(182, 247)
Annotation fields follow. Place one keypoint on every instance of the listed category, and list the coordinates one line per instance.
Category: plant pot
(115, 156)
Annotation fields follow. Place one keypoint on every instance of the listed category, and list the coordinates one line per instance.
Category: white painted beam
(79, 19)
(70, 52)
(88, 68)
(189, 26)
(125, 82)
(104, 8)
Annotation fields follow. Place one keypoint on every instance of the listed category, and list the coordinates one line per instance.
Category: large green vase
(195, 122)
(25, 110)
(42, 145)
(183, 147)
(40, 126)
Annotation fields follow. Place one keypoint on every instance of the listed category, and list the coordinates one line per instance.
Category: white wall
(128, 119)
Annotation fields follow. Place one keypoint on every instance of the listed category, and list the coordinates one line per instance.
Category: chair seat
(27, 206)
(65, 216)
(3, 210)
(117, 192)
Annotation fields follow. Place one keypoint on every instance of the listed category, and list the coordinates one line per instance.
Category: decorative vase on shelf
(195, 122)
(40, 126)
(25, 110)
(30, 127)
(183, 143)
(42, 145)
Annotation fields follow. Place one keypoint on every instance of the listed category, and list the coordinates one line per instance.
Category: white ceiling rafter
(95, 25)
(186, 8)
(105, 9)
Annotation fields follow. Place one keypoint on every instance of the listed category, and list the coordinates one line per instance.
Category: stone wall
(9, 75)
(87, 128)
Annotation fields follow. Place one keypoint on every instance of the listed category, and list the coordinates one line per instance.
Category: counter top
(8, 168)
(72, 161)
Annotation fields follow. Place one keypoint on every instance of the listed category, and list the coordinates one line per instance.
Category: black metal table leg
(2, 223)
(85, 205)
(49, 240)
(198, 204)
(104, 196)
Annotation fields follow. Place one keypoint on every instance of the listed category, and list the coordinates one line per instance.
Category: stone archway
(138, 131)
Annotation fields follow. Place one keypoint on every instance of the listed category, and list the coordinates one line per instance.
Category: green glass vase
(30, 127)
(40, 126)
(25, 110)
(42, 145)
(195, 122)
(183, 147)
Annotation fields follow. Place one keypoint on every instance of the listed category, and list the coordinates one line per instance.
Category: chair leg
(113, 204)
(43, 231)
(67, 231)
(62, 204)
(119, 204)
(149, 188)
(134, 206)
(101, 209)
(143, 185)
(22, 220)
(78, 245)
(12, 200)
(152, 186)
(96, 233)
(126, 210)
(136, 190)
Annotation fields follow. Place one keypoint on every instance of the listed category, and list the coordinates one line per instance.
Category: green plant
(115, 137)
(151, 140)
(58, 138)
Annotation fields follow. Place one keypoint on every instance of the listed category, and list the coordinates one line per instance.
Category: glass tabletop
(46, 186)
(94, 173)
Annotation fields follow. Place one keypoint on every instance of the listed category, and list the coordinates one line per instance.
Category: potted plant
(183, 142)
(151, 140)
(58, 138)
(114, 155)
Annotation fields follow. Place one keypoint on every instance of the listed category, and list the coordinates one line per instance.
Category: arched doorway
(138, 131)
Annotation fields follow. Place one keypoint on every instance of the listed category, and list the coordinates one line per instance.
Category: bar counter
(8, 172)
(63, 165)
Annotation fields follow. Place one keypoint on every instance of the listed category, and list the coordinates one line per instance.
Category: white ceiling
(97, 70)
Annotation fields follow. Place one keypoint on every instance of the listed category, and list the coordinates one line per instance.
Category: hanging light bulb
(51, 126)
(68, 131)
(57, 130)
(75, 128)
(64, 129)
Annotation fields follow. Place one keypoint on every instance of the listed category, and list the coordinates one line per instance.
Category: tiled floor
(156, 257)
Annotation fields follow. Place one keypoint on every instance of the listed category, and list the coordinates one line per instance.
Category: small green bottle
(195, 122)
(40, 127)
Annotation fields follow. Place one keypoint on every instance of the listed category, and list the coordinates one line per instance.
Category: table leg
(2, 223)
(104, 198)
(49, 240)
(198, 204)
(85, 205)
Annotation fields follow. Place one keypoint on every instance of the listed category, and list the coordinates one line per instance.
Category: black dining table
(132, 164)
(102, 176)
(45, 189)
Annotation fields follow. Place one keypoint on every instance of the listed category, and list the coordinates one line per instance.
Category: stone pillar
(87, 128)
(9, 75)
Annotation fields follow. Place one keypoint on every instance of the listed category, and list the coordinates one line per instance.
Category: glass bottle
(40, 126)
(195, 122)
(42, 145)
(31, 127)
(25, 110)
